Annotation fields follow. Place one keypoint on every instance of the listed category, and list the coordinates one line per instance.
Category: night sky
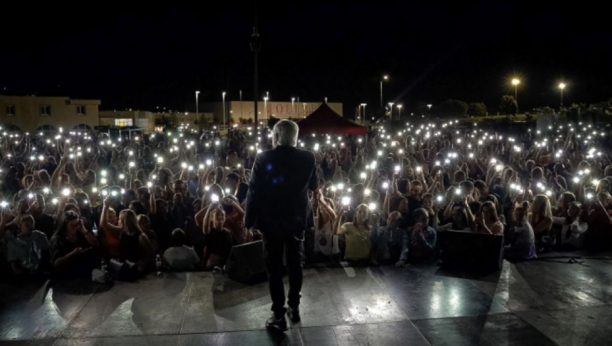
(135, 58)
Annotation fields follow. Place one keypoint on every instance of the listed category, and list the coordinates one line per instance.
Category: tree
(452, 109)
(508, 105)
(477, 109)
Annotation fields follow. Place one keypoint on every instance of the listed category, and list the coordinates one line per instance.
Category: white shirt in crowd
(181, 258)
(323, 237)
(525, 233)
(577, 229)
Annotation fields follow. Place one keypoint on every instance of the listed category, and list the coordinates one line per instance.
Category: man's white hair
(286, 132)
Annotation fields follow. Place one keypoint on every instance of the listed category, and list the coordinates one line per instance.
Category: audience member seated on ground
(422, 238)
(324, 216)
(160, 220)
(134, 245)
(390, 243)
(27, 250)
(145, 225)
(180, 211)
(193, 232)
(487, 220)
(180, 257)
(563, 204)
(599, 235)
(573, 228)
(109, 239)
(73, 248)
(461, 219)
(541, 221)
(357, 234)
(431, 207)
(44, 223)
(234, 220)
(522, 246)
(218, 240)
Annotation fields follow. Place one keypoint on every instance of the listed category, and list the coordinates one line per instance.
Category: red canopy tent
(324, 120)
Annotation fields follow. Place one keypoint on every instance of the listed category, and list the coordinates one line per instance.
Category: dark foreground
(545, 302)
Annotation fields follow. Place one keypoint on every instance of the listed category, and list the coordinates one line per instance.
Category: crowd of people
(78, 201)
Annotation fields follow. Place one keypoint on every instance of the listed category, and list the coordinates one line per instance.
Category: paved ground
(534, 303)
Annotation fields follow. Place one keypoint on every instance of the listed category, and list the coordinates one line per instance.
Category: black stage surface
(543, 302)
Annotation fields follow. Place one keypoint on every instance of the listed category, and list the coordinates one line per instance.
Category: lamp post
(516, 82)
(223, 96)
(197, 117)
(381, 89)
(561, 87)
(292, 104)
(391, 110)
(364, 113)
(399, 111)
(266, 106)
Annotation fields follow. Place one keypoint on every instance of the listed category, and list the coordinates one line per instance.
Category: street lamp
(364, 112)
(391, 110)
(266, 105)
(399, 111)
(197, 93)
(561, 87)
(292, 104)
(381, 89)
(516, 82)
(223, 95)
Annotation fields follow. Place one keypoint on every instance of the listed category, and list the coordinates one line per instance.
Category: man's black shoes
(277, 324)
(294, 314)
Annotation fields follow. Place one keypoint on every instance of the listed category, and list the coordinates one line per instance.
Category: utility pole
(256, 49)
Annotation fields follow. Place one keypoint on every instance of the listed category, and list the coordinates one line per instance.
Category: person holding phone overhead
(73, 248)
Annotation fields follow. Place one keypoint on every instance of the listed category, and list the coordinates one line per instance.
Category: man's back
(278, 191)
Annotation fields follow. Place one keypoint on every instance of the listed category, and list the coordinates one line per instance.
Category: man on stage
(278, 206)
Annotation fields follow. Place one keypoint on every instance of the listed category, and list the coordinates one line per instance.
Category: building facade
(244, 111)
(142, 119)
(150, 121)
(29, 113)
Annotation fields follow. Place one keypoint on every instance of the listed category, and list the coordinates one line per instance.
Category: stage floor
(538, 303)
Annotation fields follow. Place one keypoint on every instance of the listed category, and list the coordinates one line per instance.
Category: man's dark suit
(278, 206)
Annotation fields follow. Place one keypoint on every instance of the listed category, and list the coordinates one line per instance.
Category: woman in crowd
(541, 220)
(461, 219)
(522, 245)
(134, 245)
(487, 221)
(218, 240)
(73, 248)
(357, 234)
